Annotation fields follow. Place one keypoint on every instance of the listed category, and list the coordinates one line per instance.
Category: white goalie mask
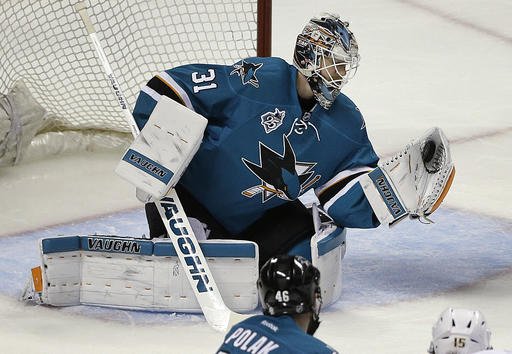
(326, 52)
(460, 331)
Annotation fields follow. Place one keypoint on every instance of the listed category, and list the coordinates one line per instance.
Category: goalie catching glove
(413, 182)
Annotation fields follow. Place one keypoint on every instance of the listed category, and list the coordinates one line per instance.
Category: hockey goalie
(267, 158)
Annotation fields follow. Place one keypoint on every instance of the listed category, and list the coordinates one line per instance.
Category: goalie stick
(191, 257)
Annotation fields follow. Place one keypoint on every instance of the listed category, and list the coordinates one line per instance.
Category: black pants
(276, 232)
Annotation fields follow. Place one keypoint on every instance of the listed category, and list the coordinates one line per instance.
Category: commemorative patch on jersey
(281, 175)
(247, 72)
(272, 120)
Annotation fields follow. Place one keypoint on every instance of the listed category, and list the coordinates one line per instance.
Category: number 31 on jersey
(204, 80)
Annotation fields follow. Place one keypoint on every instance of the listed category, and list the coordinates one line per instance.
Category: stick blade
(222, 319)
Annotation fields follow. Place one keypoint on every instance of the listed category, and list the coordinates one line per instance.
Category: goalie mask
(460, 331)
(326, 52)
(289, 285)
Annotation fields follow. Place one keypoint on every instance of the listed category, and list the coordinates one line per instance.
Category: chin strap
(314, 323)
(320, 91)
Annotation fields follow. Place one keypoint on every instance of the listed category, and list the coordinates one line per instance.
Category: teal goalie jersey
(260, 149)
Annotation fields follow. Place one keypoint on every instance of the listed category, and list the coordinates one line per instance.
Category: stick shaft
(173, 215)
(121, 99)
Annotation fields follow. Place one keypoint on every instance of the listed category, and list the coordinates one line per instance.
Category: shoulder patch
(247, 72)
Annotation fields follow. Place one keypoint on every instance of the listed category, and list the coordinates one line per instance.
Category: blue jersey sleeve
(342, 196)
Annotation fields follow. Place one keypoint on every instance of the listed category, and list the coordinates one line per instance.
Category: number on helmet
(282, 296)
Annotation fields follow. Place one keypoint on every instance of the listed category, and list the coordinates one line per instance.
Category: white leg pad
(139, 274)
(328, 247)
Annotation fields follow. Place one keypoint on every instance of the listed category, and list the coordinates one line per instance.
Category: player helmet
(289, 285)
(326, 52)
(460, 331)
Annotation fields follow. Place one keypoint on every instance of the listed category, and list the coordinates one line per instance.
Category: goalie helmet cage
(45, 45)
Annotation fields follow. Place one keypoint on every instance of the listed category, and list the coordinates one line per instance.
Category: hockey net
(54, 94)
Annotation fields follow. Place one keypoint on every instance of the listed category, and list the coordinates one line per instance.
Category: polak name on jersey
(250, 341)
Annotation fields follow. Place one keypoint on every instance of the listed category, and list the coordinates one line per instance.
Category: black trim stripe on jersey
(328, 193)
(163, 88)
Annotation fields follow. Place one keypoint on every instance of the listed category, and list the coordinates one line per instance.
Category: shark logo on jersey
(247, 71)
(272, 120)
(280, 175)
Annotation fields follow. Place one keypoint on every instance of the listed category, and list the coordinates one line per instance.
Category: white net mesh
(44, 43)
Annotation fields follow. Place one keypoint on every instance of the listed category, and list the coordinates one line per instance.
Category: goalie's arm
(171, 133)
(412, 183)
(149, 188)
(159, 155)
(160, 85)
(343, 198)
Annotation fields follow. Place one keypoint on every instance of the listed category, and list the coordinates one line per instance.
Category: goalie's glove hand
(423, 173)
(414, 181)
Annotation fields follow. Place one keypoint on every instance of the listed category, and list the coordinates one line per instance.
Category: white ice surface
(424, 63)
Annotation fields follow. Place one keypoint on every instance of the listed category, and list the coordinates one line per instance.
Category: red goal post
(47, 60)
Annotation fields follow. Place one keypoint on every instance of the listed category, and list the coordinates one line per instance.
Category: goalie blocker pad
(159, 155)
(133, 273)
